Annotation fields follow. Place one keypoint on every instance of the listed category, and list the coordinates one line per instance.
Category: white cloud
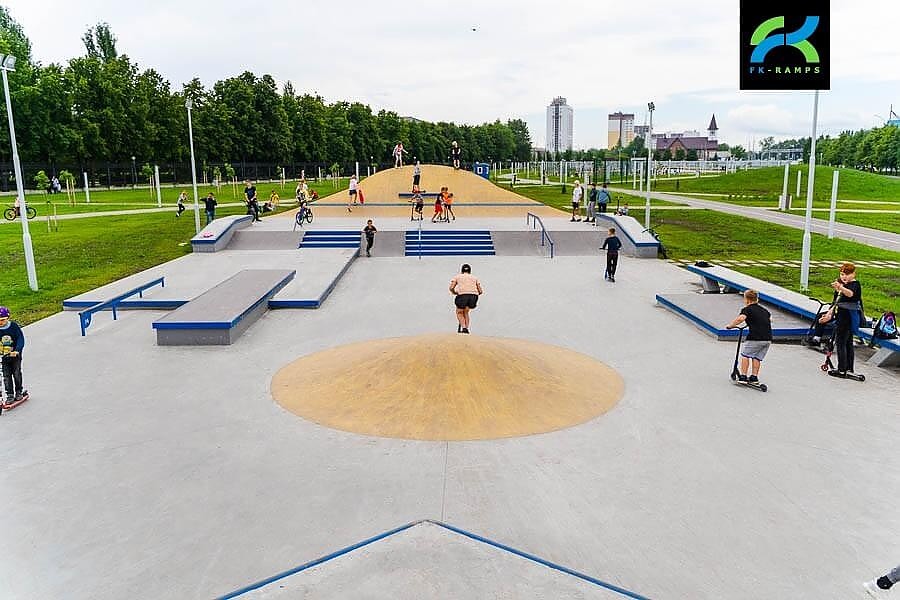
(423, 59)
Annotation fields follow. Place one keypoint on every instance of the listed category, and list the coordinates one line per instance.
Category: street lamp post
(189, 104)
(133, 174)
(810, 184)
(650, 107)
(8, 63)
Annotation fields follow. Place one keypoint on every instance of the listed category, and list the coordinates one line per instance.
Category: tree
(738, 152)
(691, 155)
(100, 42)
(41, 181)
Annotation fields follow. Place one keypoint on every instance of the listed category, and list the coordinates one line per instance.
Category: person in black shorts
(465, 289)
(759, 336)
(418, 204)
(455, 153)
(369, 231)
(846, 310)
(252, 200)
(612, 244)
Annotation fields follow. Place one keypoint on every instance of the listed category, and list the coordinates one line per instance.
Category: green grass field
(691, 235)
(553, 196)
(93, 251)
(763, 186)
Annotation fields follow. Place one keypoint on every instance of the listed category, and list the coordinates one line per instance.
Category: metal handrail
(84, 317)
(544, 232)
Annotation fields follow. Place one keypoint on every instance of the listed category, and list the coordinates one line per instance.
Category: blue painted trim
(225, 324)
(783, 332)
(129, 304)
(84, 317)
(541, 561)
(316, 562)
(762, 296)
(696, 320)
(274, 304)
(201, 241)
(346, 550)
(621, 228)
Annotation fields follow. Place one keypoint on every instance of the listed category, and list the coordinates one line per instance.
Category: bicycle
(304, 214)
(12, 213)
(661, 252)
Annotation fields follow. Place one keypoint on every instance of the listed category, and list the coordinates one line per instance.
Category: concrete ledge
(220, 315)
(635, 241)
(217, 235)
(315, 302)
(710, 312)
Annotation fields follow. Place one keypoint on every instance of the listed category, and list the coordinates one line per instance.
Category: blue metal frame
(483, 540)
(544, 232)
(84, 317)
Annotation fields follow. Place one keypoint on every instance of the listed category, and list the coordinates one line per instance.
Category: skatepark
(342, 440)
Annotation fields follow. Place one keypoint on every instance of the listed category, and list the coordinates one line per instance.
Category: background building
(621, 129)
(560, 117)
(705, 146)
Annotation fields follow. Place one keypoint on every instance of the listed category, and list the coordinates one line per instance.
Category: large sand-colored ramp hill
(473, 195)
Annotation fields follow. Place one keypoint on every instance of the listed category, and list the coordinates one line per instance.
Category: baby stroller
(820, 336)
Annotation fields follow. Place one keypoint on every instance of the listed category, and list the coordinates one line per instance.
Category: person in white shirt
(576, 200)
(398, 155)
(352, 200)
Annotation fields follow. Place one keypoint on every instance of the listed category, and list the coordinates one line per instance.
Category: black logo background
(753, 13)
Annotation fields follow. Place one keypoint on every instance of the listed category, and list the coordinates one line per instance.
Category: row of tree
(101, 108)
(876, 149)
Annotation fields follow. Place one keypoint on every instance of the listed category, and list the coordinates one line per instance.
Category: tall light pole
(8, 63)
(810, 184)
(650, 107)
(189, 104)
(133, 174)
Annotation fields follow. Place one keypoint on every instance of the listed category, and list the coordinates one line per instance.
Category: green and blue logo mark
(785, 47)
(765, 41)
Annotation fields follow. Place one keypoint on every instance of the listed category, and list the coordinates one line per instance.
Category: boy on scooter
(759, 336)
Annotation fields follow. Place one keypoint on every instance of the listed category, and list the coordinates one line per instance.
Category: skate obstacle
(217, 235)
(222, 314)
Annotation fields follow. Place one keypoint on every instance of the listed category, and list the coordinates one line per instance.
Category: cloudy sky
(471, 62)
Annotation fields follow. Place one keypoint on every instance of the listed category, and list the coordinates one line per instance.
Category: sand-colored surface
(474, 195)
(447, 387)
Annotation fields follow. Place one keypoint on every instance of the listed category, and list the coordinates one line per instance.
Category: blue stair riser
(451, 231)
(332, 245)
(441, 238)
(451, 246)
(450, 253)
(334, 232)
(325, 238)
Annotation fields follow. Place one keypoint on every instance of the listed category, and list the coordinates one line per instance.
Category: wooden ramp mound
(472, 194)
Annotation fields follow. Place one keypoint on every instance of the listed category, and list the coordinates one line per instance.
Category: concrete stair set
(330, 239)
(449, 243)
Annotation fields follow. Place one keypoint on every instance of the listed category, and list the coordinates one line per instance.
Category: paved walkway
(133, 460)
(871, 237)
(133, 211)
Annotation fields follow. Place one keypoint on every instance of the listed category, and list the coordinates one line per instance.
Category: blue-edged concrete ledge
(636, 242)
(217, 235)
(712, 321)
(220, 315)
(620, 591)
(127, 304)
(315, 302)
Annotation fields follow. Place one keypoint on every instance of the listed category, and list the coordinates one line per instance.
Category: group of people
(597, 202)
(209, 206)
(398, 152)
(845, 310)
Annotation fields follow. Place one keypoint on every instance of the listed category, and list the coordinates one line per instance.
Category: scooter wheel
(763, 387)
(824, 368)
(734, 377)
(862, 377)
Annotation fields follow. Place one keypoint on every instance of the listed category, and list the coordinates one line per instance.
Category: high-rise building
(560, 117)
(621, 129)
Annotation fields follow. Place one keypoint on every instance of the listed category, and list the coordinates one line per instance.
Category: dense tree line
(876, 149)
(101, 107)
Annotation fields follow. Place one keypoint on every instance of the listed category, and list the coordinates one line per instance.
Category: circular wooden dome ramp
(446, 387)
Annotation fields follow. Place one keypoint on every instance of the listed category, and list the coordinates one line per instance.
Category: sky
(472, 62)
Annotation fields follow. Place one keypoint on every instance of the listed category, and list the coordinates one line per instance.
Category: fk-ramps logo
(785, 46)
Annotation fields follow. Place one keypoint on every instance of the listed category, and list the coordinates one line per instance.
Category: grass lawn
(131, 199)
(88, 253)
(766, 185)
(710, 235)
(884, 221)
(552, 196)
